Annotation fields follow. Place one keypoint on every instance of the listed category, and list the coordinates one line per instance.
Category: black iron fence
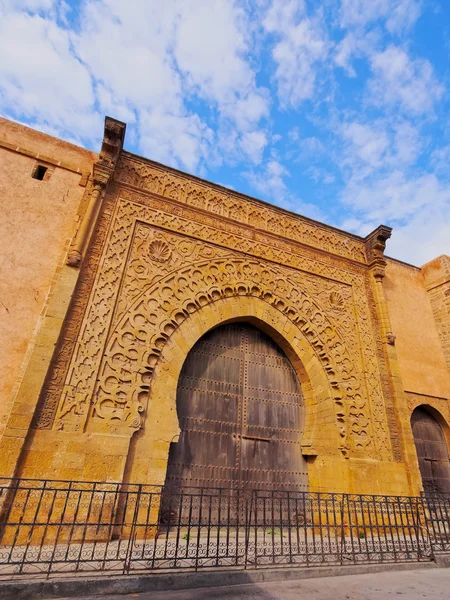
(50, 527)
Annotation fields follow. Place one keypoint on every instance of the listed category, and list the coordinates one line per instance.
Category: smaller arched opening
(432, 450)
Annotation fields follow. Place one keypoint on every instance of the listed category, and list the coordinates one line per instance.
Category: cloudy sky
(336, 109)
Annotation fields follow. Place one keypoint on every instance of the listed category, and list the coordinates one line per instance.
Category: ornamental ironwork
(54, 527)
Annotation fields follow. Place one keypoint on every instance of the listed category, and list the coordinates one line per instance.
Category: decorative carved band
(152, 178)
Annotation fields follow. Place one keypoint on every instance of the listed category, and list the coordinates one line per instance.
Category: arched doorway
(432, 452)
(240, 412)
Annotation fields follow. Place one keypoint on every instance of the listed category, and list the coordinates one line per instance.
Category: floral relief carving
(50, 396)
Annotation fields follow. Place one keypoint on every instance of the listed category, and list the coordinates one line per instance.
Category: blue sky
(337, 109)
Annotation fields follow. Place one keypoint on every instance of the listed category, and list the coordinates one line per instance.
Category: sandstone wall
(37, 220)
(436, 275)
(420, 351)
(173, 256)
(170, 257)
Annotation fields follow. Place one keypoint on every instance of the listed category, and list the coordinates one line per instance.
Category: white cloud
(210, 46)
(374, 149)
(29, 5)
(269, 181)
(312, 146)
(294, 134)
(212, 41)
(187, 49)
(253, 144)
(396, 196)
(399, 14)
(367, 144)
(407, 144)
(384, 184)
(301, 44)
(423, 238)
(41, 77)
(440, 160)
(365, 20)
(144, 63)
(355, 44)
(418, 208)
(174, 139)
(190, 77)
(344, 53)
(305, 150)
(400, 82)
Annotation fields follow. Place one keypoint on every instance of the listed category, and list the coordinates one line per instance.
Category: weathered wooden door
(240, 412)
(432, 452)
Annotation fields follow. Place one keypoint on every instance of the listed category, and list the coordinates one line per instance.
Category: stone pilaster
(102, 173)
(404, 450)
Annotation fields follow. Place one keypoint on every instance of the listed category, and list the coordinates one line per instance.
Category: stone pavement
(432, 584)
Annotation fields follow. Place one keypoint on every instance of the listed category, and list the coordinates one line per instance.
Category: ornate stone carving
(136, 302)
(440, 404)
(159, 251)
(391, 339)
(150, 177)
(375, 244)
(113, 138)
(74, 258)
(336, 300)
(51, 393)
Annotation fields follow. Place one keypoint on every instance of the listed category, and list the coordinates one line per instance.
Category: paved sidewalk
(410, 585)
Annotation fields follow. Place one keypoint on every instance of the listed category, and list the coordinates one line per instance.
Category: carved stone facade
(164, 257)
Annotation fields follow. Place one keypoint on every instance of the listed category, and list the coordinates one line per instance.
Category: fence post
(343, 498)
(129, 553)
(248, 524)
(7, 503)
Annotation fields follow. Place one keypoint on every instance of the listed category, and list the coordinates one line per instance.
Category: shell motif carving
(336, 300)
(159, 251)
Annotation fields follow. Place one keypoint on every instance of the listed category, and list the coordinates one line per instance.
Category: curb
(134, 584)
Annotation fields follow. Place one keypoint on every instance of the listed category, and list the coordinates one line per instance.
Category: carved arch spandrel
(135, 347)
(161, 426)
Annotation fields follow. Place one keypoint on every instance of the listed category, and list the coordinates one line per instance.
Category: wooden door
(432, 452)
(240, 412)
